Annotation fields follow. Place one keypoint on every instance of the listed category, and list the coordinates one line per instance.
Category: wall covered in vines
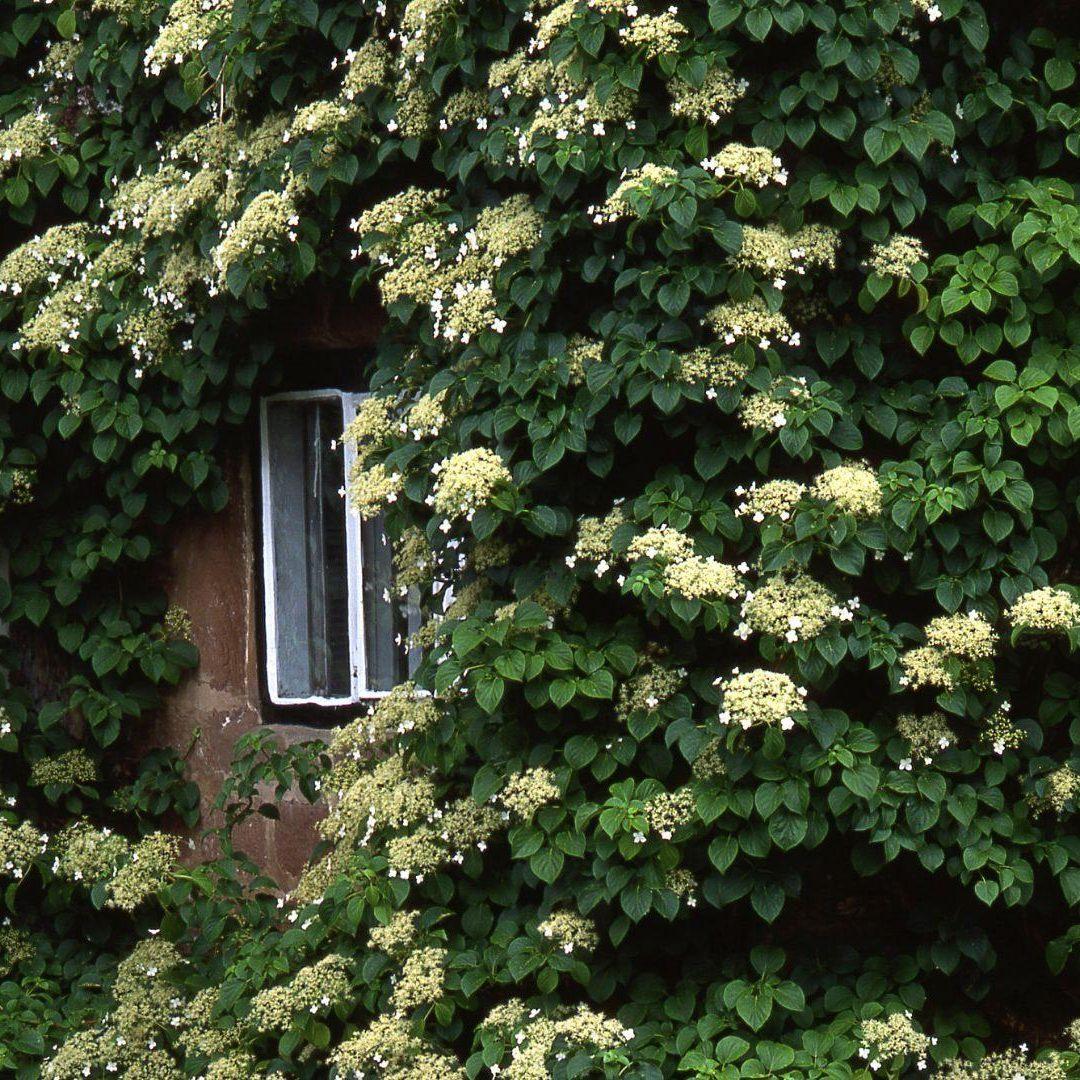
(727, 385)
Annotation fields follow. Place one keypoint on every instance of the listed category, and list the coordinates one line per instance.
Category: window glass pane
(309, 573)
(388, 618)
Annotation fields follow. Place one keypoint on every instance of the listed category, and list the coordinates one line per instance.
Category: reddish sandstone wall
(212, 575)
(324, 340)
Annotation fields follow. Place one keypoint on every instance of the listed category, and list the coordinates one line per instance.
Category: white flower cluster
(428, 258)
(422, 24)
(319, 121)
(389, 1047)
(954, 643)
(969, 636)
(709, 367)
(758, 697)
(533, 1036)
(898, 256)
(636, 187)
(926, 735)
(738, 163)
(774, 498)
(81, 282)
(32, 135)
(365, 68)
(467, 481)
(735, 320)
(1048, 610)
(851, 489)
(265, 224)
(20, 845)
(777, 254)
(188, 28)
(662, 543)
(770, 409)
(569, 931)
(371, 490)
(46, 259)
(793, 607)
(929, 8)
(654, 35)
(1000, 732)
(895, 1036)
(702, 578)
(57, 66)
(712, 100)
(565, 108)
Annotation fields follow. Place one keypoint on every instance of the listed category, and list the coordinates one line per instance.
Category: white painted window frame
(359, 691)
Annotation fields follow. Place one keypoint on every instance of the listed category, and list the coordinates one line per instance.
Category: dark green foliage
(827, 867)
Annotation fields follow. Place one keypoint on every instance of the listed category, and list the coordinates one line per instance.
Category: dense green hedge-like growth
(729, 381)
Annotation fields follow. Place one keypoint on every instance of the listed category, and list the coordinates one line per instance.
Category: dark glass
(310, 571)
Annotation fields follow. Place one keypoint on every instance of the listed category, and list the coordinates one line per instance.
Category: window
(335, 629)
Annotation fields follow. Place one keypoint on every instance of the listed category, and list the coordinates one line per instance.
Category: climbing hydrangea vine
(725, 402)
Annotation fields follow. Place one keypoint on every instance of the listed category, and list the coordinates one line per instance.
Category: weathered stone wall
(212, 574)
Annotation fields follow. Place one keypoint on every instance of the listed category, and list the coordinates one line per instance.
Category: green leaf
(318, 1034)
(600, 684)
(486, 783)
(767, 899)
(997, 524)
(722, 13)
(489, 692)
(722, 852)
(674, 296)
(839, 123)
(14, 383)
(1060, 74)
(636, 900)
(562, 692)
(758, 23)
(547, 864)
(29, 1042)
(729, 1049)
(880, 144)
(755, 1007)
(862, 779)
(1001, 371)
(580, 750)
(787, 829)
